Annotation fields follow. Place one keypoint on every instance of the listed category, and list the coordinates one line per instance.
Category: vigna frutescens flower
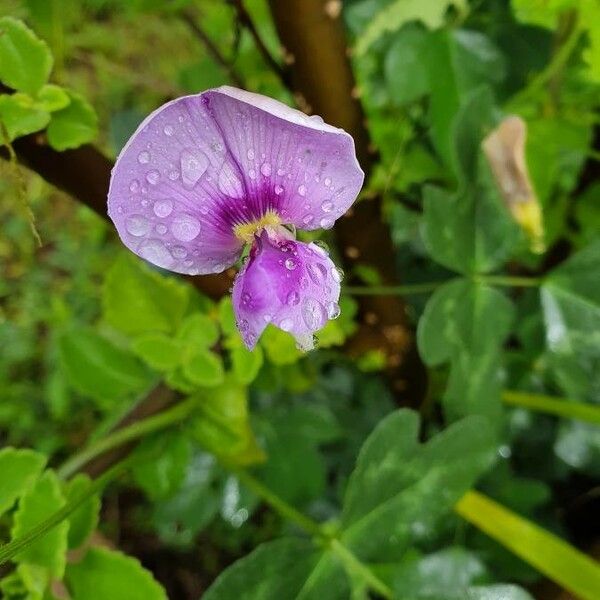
(205, 175)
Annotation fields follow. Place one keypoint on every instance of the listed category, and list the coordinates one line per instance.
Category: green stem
(351, 562)
(155, 423)
(355, 565)
(10, 550)
(555, 406)
(508, 281)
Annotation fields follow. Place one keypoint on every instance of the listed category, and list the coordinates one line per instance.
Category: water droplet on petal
(185, 227)
(326, 223)
(144, 157)
(290, 264)
(153, 177)
(246, 297)
(292, 298)
(243, 325)
(265, 169)
(250, 154)
(252, 174)
(333, 310)
(278, 189)
(317, 272)
(313, 313)
(327, 206)
(327, 181)
(156, 252)
(163, 208)
(174, 175)
(137, 225)
(161, 228)
(134, 186)
(179, 252)
(302, 190)
(193, 166)
(286, 324)
(229, 182)
(337, 274)
(280, 172)
(308, 219)
(168, 130)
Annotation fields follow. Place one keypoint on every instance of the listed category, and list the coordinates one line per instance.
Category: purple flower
(204, 175)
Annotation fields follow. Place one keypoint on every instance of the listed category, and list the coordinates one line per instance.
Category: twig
(244, 18)
(190, 20)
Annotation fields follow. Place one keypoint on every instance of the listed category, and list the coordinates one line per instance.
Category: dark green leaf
(19, 468)
(83, 521)
(74, 125)
(203, 368)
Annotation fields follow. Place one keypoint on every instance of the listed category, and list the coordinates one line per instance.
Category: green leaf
(19, 468)
(138, 300)
(392, 17)
(52, 98)
(21, 116)
(84, 520)
(25, 60)
(98, 369)
(550, 555)
(462, 316)
(162, 464)
(35, 506)
(279, 346)
(246, 363)
(158, 351)
(400, 489)
(74, 125)
(198, 331)
(224, 428)
(203, 368)
(227, 317)
(109, 575)
(275, 570)
(497, 592)
(571, 307)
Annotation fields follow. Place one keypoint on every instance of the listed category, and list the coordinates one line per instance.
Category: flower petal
(297, 165)
(293, 285)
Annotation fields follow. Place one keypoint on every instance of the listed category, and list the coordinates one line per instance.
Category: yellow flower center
(247, 231)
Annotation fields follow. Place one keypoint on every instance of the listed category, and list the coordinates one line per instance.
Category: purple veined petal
(294, 286)
(201, 165)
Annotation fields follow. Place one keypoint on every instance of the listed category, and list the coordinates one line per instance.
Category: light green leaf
(97, 368)
(109, 575)
(52, 98)
(35, 506)
(275, 570)
(203, 368)
(82, 521)
(25, 60)
(198, 331)
(74, 125)
(279, 346)
(246, 364)
(138, 300)
(158, 351)
(392, 17)
(19, 468)
(550, 555)
(400, 489)
(223, 426)
(462, 316)
(227, 317)
(20, 116)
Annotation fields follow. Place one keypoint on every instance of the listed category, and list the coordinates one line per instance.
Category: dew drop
(252, 174)
(292, 298)
(153, 177)
(278, 190)
(308, 219)
(326, 223)
(317, 272)
(156, 252)
(144, 157)
(137, 225)
(193, 166)
(302, 190)
(174, 175)
(333, 310)
(280, 172)
(265, 169)
(286, 324)
(134, 186)
(290, 264)
(250, 154)
(246, 297)
(179, 252)
(327, 181)
(229, 182)
(337, 274)
(168, 130)
(327, 206)
(204, 209)
(243, 325)
(185, 227)
(161, 228)
(313, 313)
(163, 208)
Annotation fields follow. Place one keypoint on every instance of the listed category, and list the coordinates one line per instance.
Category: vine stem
(430, 286)
(146, 426)
(11, 549)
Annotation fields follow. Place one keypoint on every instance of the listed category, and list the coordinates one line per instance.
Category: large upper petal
(293, 285)
(201, 164)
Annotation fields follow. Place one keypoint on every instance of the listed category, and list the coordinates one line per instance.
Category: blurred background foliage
(87, 331)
